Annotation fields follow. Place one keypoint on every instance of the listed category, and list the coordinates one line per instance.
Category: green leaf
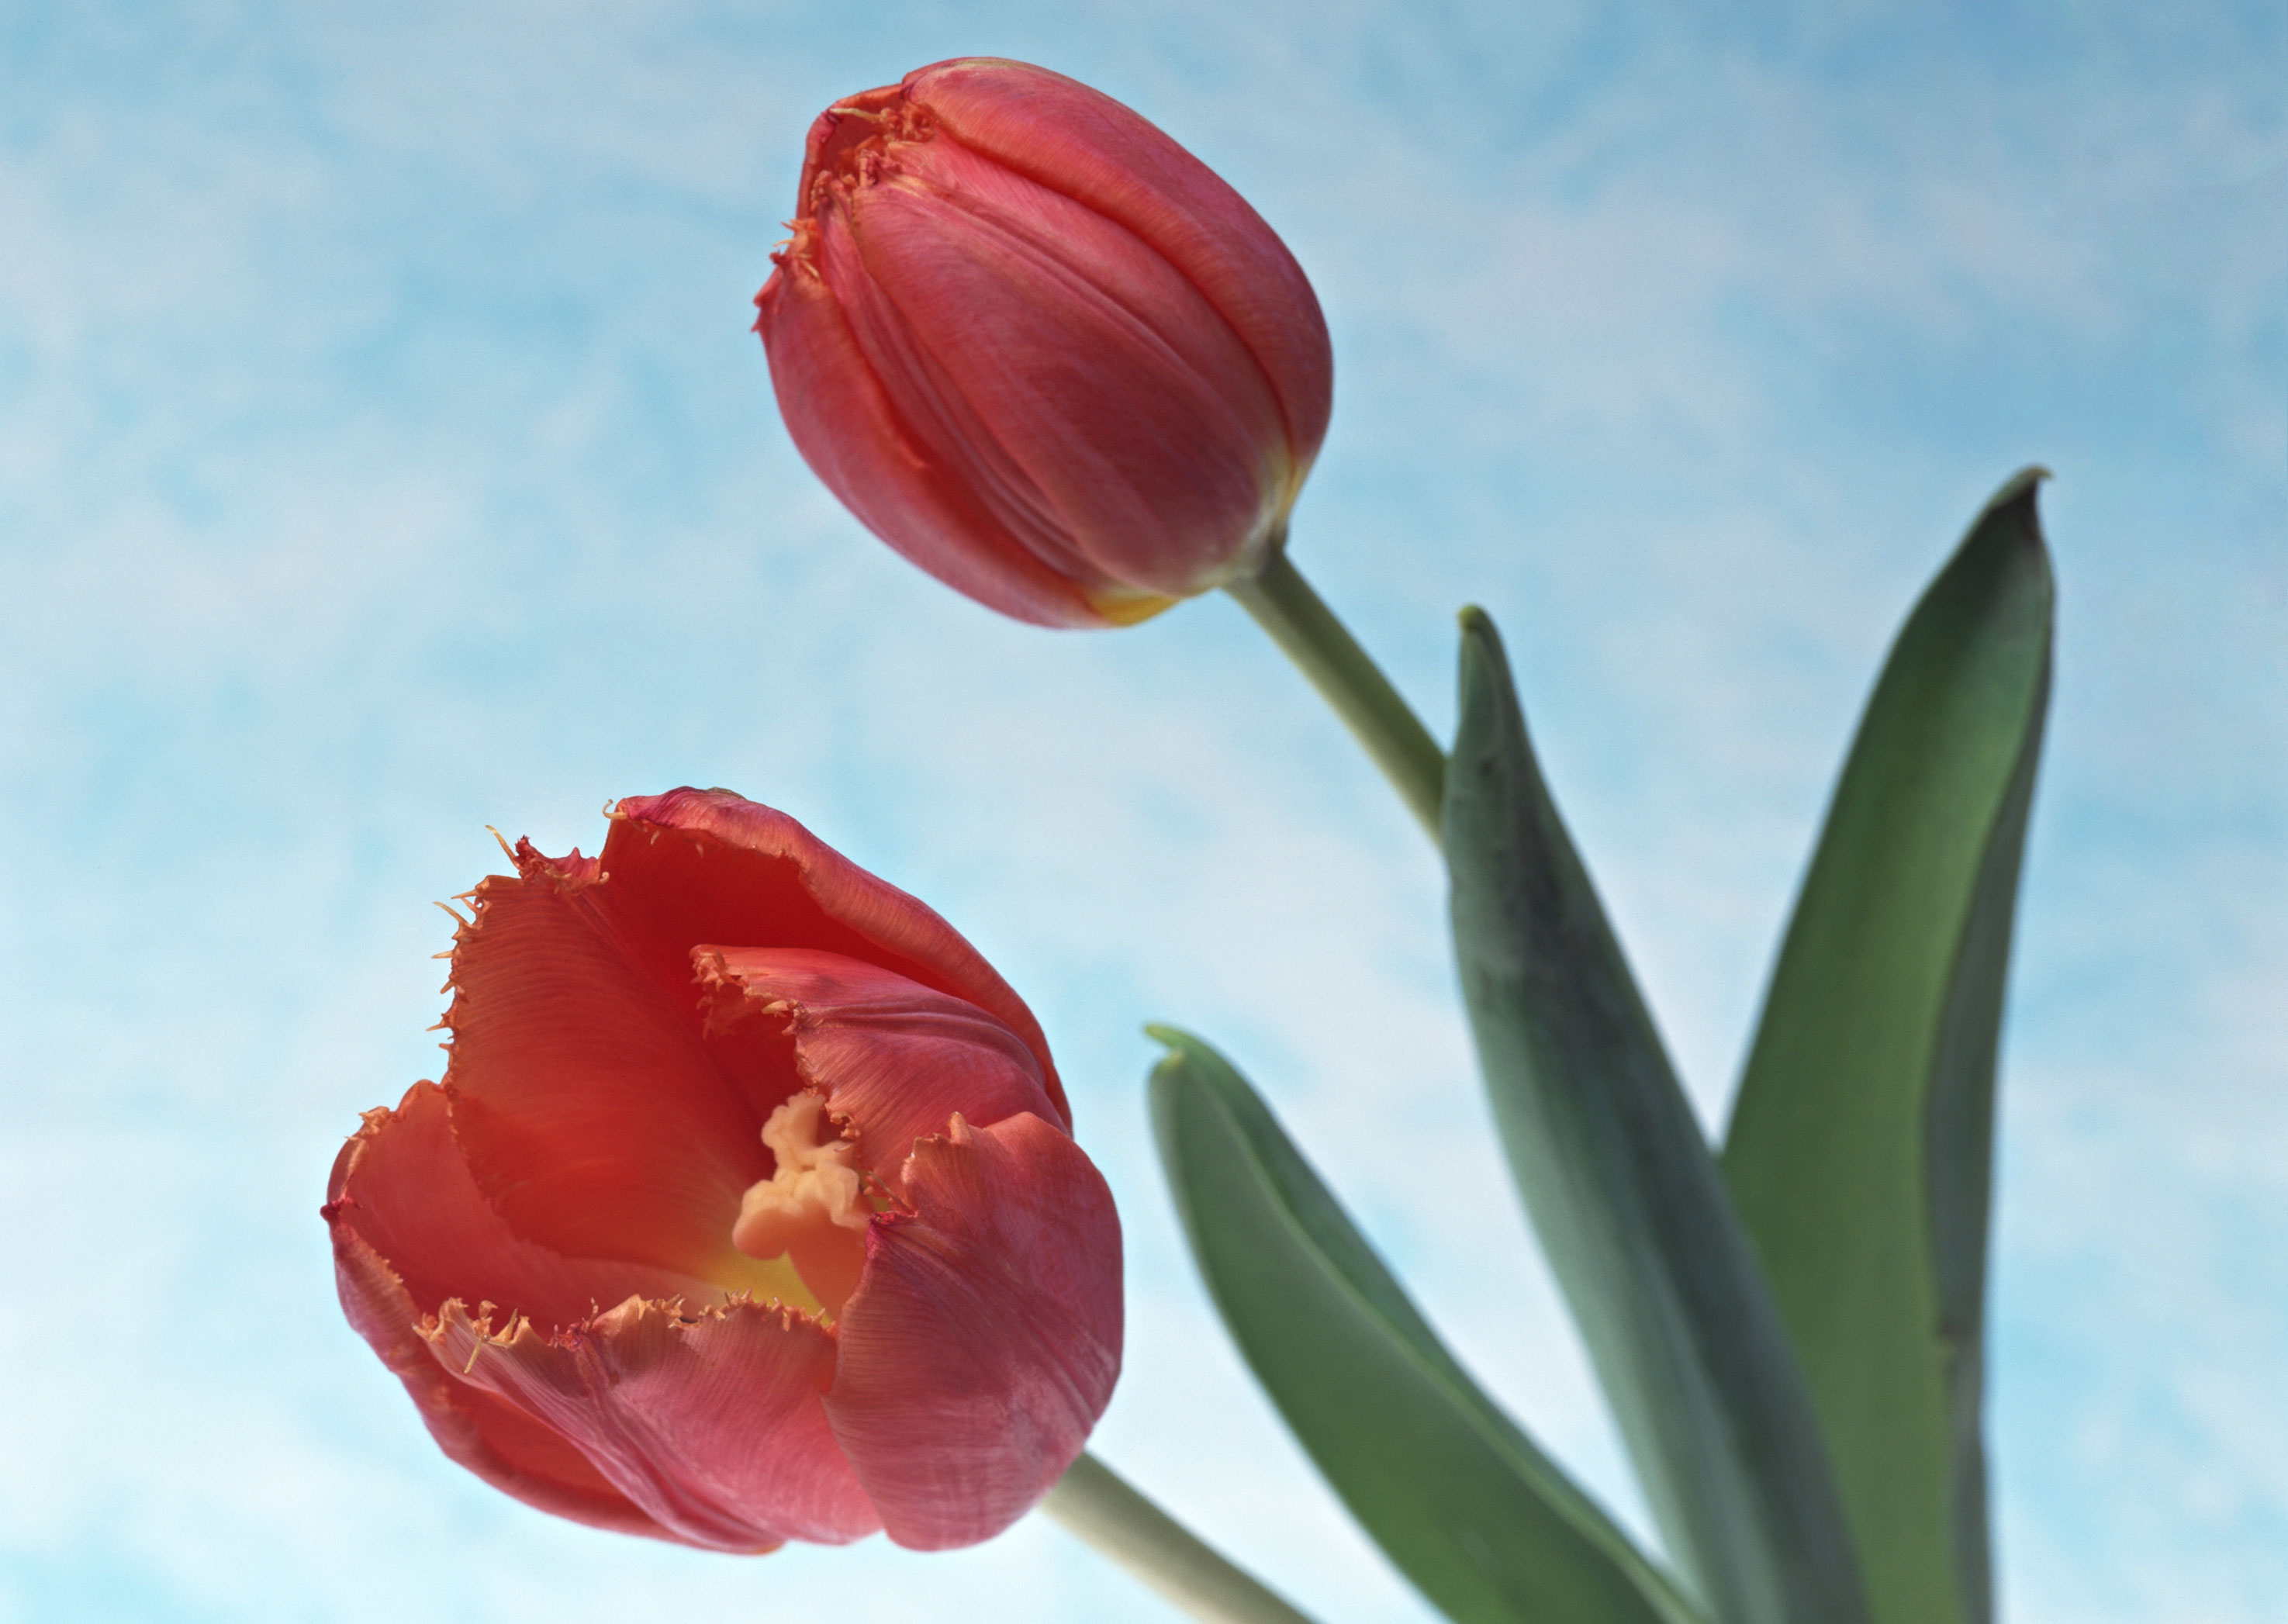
(1861, 1148)
(1485, 1524)
(1627, 1196)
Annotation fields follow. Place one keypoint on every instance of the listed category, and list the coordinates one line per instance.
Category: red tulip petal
(984, 1342)
(892, 1058)
(856, 440)
(591, 1116)
(1082, 143)
(711, 1424)
(940, 425)
(401, 1185)
(1069, 374)
(697, 865)
(493, 1439)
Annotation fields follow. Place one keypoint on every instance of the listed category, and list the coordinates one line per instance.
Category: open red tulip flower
(1040, 349)
(747, 1210)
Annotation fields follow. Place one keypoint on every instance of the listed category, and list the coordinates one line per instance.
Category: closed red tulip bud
(747, 1209)
(1039, 348)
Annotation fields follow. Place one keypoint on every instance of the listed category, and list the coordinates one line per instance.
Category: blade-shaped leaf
(1861, 1148)
(1484, 1524)
(1625, 1194)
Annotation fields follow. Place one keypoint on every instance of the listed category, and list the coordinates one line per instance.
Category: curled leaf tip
(2018, 492)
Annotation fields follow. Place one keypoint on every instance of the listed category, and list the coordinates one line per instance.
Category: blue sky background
(383, 455)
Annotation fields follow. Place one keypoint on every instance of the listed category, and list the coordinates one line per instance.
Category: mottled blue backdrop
(383, 455)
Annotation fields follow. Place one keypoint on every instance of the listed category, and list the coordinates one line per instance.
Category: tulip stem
(1093, 1501)
(1285, 604)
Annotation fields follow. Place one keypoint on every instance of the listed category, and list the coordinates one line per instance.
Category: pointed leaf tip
(1617, 1178)
(1861, 1145)
(2020, 486)
(2009, 525)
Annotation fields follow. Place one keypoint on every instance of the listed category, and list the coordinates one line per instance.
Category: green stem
(1093, 1502)
(1323, 650)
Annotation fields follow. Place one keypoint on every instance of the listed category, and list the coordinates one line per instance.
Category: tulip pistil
(812, 1210)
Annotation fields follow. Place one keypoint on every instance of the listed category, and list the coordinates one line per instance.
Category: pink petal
(856, 440)
(1063, 371)
(401, 1186)
(940, 424)
(711, 1424)
(984, 1340)
(1082, 143)
(493, 1439)
(893, 1057)
(590, 1115)
(697, 865)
